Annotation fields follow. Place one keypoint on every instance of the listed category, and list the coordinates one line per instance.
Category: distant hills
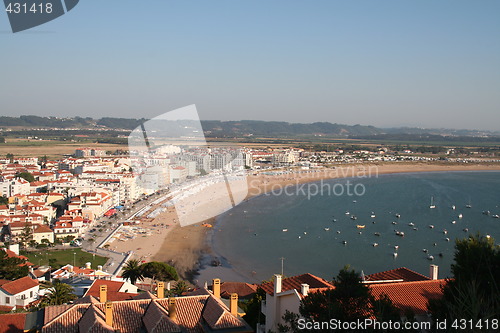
(254, 128)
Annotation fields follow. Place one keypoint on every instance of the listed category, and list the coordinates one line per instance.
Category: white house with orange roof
(9, 188)
(18, 293)
(286, 294)
(42, 232)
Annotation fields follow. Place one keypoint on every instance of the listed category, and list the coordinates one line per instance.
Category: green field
(58, 258)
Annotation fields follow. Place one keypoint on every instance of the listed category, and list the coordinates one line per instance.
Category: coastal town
(122, 208)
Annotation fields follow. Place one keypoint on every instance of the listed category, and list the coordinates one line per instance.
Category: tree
(10, 157)
(252, 309)
(26, 176)
(4, 200)
(132, 271)
(159, 271)
(26, 235)
(10, 268)
(180, 287)
(59, 293)
(474, 291)
(350, 300)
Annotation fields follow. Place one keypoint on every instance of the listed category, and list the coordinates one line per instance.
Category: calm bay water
(250, 239)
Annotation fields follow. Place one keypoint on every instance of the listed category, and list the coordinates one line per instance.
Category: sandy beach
(183, 247)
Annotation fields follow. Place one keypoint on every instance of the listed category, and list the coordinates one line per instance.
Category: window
(7, 300)
(31, 294)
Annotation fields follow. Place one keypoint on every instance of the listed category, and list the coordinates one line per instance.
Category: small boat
(395, 254)
(432, 205)
(447, 239)
(396, 247)
(445, 231)
(305, 232)
(469, 205)
(360, 226)
(372, 215)
(430, 257)
(376, 233)
(334, 220)
(486, 212)
(488, 236)
(400, 233)
(460, 216)
(453, 222)
(466, 229)
(327, 229)
(397, 215)
(415, 228)
(435, 244)
(354, 201)
(373, 222)
(338, 231)
(425, 250)
(354, 217)
(431, 226)
(411, 224)
(453, 207)
(300, 237)
(375, 244)
(495, 216)
(344, 242)
(285, 230)
(347, 213)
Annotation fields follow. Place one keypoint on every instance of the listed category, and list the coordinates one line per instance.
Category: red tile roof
(295, 282)
(19, 285)
(113, 293)
(244, 290)
(403, 273)
(412, 296)
(132, 316)
(12, 323)
(42, 229)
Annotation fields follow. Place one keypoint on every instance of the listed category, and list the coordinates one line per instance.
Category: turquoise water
(250, 238)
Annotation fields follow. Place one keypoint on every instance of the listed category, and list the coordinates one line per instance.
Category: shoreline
(189, 249)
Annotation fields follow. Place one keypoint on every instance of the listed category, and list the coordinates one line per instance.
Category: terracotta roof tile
(244, 290)
(12, 323)
(402, 273)
(94, 321)
(156, 319)
(217, 317)
(412, 296)
(51, 312)
(295, 282)
(19, 285)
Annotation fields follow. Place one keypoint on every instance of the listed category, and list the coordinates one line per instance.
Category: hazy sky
(385, 63)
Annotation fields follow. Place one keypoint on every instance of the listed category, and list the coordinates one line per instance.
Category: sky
(421, 63)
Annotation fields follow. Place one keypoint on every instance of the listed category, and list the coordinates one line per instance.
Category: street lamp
(74, 259)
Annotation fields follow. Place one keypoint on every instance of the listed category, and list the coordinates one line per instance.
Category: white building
(18, 293)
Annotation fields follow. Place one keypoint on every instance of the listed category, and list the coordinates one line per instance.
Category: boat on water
(486, 212)
(395, 254)
(375, 244)
(397, 215)
(344, 242)
(354, 217)
(453, 207)
(411, 224)
(360, 226)
(496, 216)
(469, 205)
(372, 215)
(376, 233)
(347, 213)
(430, 257)
(431, 226)
(460, 216)
(400, 233)
(327, 229)
(285, 230)
(394, 222)
(432, 205)
(396, 247)
(445, 231)
(453, 222)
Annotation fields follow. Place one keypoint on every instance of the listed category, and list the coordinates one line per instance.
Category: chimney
(216, 287)
(233, 305)
(433, 272)
(168, 286)
(109, 313)
(277, 283)
(160, 290)
(70, 268)
(172, 308)
(304, 289)
(103, 293)
(88, 265)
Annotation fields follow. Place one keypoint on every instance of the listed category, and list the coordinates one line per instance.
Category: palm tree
(59, 293)
(133, 271)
